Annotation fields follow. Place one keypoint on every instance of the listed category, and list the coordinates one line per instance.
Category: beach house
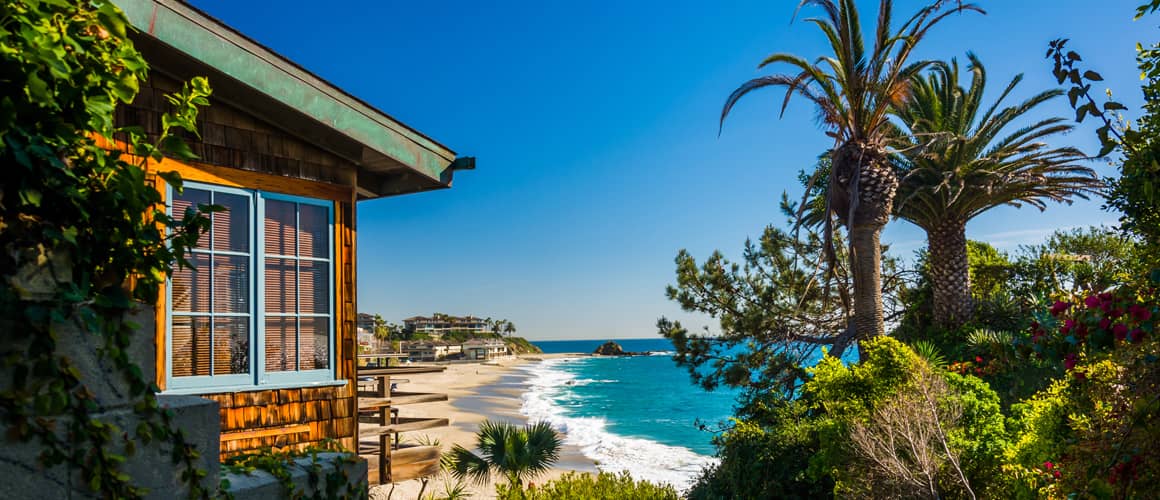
(432, 351)
(484, 349)
(265, 322)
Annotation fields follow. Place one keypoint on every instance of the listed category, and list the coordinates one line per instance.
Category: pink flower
(1059, 307)
(1067, 326)
(1136, 336)
(1092, 302)
(1057, 474)
(1105, 324)
(1048, 465)
(1139, 312)
(1120, 331)
(1069, 363)
(978, 359)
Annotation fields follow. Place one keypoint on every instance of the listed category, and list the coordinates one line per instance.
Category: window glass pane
(231, 228)
(190, 291)
(191, 353)
(279, 227)
(314, 231)
(188, 200)
(315, 337)
(281, 286)
(231, 284)
(231, 345)
(314, 278)
(281, 344)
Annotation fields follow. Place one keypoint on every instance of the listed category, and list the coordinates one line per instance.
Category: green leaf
(1093, 76)
(31, 197)
(1105, 149)
(177, 147)
(37, 90)
(1113, 106)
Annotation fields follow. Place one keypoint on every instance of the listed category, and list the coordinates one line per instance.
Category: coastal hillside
(520, 345)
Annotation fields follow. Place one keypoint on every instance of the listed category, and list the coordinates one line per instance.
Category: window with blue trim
(256, 307)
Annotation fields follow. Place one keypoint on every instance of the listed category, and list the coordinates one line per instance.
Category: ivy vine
(279, 463)
(84, 237)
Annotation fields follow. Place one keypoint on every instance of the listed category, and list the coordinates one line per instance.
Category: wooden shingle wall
(286, 417)
(233, 138)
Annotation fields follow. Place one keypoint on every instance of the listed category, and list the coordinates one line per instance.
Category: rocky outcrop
(610, 348)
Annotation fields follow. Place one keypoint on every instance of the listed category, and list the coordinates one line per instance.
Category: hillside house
(439, 324)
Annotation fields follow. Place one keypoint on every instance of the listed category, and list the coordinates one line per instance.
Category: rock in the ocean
(610, 348)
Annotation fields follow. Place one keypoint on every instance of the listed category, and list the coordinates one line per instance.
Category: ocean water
(637, 414)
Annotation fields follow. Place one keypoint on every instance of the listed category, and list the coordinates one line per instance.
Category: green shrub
(766, 456)
(575, 486)
(892, 381)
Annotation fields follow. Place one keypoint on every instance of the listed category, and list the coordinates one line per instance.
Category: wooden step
(412, 462)
(402, 424)
(399, 398)
(373, 403)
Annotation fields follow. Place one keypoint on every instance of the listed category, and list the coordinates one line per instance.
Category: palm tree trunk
(949, 274)
(866, 261)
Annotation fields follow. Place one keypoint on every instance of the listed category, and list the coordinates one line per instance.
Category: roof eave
(395, 159)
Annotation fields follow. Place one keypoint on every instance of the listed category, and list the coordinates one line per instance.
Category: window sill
(198, 391)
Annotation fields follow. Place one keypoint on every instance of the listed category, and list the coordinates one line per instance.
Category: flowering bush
(1093, 431)
(1078, 327)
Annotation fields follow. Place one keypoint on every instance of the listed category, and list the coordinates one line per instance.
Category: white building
(484, 349)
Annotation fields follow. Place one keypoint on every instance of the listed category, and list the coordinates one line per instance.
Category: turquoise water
(637, 414)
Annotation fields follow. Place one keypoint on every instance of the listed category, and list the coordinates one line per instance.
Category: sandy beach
(476, 392)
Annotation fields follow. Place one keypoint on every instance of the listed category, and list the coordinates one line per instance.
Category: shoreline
(475, 392)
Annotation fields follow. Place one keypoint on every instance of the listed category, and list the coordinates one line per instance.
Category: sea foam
(548, 397)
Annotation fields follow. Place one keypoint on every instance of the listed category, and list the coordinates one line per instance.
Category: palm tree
(959, 166)
(854, 90)
(509, 329)
(516, 454)
(497, 326)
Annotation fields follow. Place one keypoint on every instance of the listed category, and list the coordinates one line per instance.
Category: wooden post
(384, 391)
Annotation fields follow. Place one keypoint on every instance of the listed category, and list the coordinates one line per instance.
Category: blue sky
(595, 129)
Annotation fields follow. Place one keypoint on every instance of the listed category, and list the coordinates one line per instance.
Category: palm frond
(927, 350)
(467, 466)
(957, 166)
(991, 339)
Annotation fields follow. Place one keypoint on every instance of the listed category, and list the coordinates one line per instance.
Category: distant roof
(392, 157)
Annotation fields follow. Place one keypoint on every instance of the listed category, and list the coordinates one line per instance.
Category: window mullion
(260, 277)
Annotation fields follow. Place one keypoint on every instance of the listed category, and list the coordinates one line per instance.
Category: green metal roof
(388, 143)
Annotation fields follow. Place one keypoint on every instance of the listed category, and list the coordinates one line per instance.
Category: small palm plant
(515, 453)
